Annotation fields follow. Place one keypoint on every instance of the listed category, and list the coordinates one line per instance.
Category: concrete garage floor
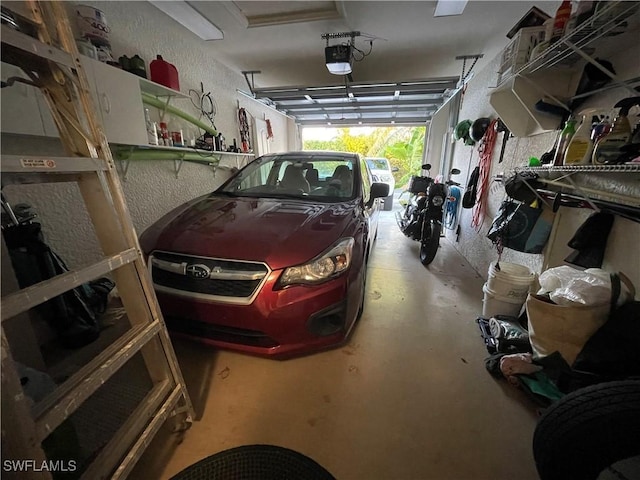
(407, 397)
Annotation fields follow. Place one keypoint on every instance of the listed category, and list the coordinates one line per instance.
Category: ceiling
(409, 72)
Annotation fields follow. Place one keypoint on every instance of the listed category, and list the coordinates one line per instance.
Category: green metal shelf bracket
(177, 165)
(123, 155)
(163, 110)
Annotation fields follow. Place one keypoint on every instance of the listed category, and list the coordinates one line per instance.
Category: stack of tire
(586, 432)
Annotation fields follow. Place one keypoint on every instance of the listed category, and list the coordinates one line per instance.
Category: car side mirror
(378, 190)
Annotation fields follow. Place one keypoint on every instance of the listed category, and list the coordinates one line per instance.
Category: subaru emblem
(198, 271)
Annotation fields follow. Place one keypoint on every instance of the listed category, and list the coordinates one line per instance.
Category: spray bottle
(580, 147)
(608, 148)
(563, 141)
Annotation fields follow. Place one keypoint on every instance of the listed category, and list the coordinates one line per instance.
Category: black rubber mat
(255, 462)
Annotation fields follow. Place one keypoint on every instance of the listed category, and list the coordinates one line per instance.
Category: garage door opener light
(340, 57)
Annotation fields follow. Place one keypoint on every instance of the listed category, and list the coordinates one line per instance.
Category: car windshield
(319, 178)
(378, 163)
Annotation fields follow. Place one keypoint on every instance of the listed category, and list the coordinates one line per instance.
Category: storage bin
(515, 100)
(494, 304)
(510, 280)
(518, 52)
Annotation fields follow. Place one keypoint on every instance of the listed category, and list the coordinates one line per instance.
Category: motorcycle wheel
(429, 242)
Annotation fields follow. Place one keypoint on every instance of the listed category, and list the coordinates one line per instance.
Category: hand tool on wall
(501, 127)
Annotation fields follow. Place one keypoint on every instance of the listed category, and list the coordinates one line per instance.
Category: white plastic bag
(568, 286)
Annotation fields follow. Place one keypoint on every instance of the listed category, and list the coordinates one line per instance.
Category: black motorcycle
(421, 220)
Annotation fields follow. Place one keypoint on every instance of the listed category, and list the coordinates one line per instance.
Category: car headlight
(437, 201)
(325, 266)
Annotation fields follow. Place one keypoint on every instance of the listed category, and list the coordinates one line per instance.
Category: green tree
(355, 143)
(405, 153)
(321, 145)
(381, 137)
(403, 146)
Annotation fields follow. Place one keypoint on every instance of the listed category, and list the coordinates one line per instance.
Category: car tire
(388, 203)
(588, 430)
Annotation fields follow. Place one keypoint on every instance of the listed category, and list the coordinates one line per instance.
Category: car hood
(279, 232)
(379, 173)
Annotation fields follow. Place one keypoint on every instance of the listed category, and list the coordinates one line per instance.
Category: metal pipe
(156, 154)
(251, 97)
(155, 102)
(625, 198)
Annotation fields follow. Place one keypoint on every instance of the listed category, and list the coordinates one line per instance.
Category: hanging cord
(205, 104)
(207, 108)
(499, 249)
(485, 150)
(358, 54)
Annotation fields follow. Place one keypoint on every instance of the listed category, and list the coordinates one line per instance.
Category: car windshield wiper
(295, 196)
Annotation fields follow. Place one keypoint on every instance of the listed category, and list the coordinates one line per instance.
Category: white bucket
(494, 304)
(92, 25)
(511, 281)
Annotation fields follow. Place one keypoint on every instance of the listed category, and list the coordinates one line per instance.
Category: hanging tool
(12, 219)
(244, 130)
(501, 127)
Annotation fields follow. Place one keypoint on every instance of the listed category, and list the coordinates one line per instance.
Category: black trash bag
(614, 350)
(510, 336)
(73, 315)
(521, 186)
(520, 227)
(590, 241)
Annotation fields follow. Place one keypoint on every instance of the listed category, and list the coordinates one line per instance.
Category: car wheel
(587, 431)
(388, 202)
(429, 245)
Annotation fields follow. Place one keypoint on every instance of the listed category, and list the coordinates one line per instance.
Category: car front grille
(220, 333)
(228, 281)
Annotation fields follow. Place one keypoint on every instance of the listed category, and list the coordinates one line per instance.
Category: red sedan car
(274, 261)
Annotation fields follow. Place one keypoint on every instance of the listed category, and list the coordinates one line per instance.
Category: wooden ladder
(52, 62)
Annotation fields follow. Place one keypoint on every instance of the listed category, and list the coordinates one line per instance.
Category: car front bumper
(277, 323)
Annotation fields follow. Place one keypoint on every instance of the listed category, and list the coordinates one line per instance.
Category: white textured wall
(622, 252)
(140, 28)
(151, 188)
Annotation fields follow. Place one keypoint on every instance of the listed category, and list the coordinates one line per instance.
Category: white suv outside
(382, 172)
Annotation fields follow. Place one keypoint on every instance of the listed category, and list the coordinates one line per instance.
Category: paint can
(92, 25)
